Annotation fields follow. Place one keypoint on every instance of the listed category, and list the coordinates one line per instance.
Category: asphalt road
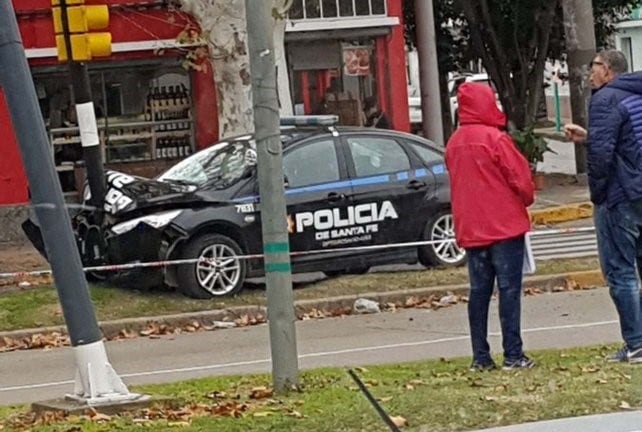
(550, 321)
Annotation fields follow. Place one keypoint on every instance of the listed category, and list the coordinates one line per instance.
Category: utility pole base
(72, 407)
(97, 383)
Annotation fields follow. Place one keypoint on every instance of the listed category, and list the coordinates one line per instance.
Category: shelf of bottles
(168, 109)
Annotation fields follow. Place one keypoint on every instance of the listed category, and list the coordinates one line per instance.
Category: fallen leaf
(261, 393)
(217, 395)
(295, 414)
(625, 405)
(399, 421)
(385, 399)
(179, 424)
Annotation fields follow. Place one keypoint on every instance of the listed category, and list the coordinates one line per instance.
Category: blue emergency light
(310, 120)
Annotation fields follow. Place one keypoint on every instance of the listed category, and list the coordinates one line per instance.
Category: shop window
(330, 8)
(316, 9)
(143, 113)
(363, 7)
(296, 10)
(312, 9)
(378, 7)
(346, 8)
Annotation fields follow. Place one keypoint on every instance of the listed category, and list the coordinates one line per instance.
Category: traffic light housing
(82, 21)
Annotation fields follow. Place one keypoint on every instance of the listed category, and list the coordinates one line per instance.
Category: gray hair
(615, 60)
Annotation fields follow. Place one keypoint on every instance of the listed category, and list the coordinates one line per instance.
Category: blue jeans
(502, 261)
(619, 239)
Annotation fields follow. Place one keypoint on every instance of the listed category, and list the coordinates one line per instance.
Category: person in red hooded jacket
(491, 188)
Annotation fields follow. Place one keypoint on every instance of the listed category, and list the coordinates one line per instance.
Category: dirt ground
(20, 257)
(16, 257)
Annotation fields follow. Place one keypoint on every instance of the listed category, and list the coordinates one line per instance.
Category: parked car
(454, 83)
(414, 99)
(344, 187)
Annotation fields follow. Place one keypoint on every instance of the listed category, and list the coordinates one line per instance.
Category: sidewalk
(618, 422)
(563, 199)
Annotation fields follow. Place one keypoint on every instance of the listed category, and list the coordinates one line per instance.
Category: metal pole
(558, 108)
(85, 114)
(96, 381)
(280, 299)
(579, 27)
(429, 71)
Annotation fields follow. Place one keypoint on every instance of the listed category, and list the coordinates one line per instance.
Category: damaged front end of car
(132, 226)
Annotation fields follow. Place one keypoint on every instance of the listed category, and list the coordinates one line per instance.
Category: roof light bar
(310, 120)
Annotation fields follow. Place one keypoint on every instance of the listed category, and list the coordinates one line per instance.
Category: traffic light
(82, 22)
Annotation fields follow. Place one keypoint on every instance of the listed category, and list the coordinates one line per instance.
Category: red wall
(137, 20)
(13, 181)
(397, 80)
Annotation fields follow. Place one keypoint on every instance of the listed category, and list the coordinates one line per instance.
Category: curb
(559, 214)
(110, 329)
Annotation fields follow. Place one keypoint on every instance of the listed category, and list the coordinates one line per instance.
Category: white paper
(529, 259)
(87, 124)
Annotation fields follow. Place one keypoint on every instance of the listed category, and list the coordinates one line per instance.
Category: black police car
(345, 188)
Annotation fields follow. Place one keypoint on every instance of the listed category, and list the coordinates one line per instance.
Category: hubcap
(443, 232)
(218, 270)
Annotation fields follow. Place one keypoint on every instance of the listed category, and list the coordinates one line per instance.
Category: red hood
(477, 105)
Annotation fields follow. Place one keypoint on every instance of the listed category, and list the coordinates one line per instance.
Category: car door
(390, 186)
(318, 194)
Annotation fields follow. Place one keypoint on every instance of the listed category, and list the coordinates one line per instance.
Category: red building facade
(152, 111)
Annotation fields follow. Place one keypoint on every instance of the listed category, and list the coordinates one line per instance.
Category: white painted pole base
(96, 380)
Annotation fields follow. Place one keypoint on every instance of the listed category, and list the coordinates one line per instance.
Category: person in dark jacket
(614, 144)
(491, 187)
(375, 117)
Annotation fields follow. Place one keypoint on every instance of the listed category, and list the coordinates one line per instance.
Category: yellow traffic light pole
(72, 22)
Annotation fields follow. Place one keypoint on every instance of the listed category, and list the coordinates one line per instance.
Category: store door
(13, 181)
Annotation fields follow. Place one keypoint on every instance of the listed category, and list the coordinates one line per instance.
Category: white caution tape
(160, 264)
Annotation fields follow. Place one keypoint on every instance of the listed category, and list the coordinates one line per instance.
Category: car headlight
(157, 221)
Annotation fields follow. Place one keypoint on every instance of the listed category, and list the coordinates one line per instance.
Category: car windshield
(217, 167)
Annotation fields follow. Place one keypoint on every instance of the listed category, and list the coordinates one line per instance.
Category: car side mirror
(286, 182)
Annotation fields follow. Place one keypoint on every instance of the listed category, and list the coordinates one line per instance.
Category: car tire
(441, 228)
(350, 271)
(204, 281)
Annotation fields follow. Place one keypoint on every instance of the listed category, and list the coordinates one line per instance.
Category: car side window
(312, 163)
(427, 155)
(374, 156)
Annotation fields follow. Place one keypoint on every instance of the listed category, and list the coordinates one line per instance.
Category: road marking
(312, 355)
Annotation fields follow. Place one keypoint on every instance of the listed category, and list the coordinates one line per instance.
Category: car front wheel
(219, 273)
(444, 252)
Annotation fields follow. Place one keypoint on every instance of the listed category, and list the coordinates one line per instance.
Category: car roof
(291, 136)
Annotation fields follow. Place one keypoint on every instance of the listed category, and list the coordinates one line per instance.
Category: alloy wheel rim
(218, 270)
(443, 232)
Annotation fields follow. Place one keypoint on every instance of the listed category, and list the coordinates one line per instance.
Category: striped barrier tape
(168, 263)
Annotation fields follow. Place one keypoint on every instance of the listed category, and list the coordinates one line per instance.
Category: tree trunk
(224, 27)
(280, 8)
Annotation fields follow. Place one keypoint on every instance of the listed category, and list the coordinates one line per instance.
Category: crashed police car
(370, 191)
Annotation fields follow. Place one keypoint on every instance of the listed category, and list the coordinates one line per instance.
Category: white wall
(633, 30)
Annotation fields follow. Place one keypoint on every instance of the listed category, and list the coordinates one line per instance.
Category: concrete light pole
(276, 246)
(429, 71)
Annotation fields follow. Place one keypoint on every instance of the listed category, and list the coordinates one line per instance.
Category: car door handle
(335, 197)
(416, 184)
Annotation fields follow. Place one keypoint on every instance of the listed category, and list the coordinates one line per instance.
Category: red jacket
(490, 180)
